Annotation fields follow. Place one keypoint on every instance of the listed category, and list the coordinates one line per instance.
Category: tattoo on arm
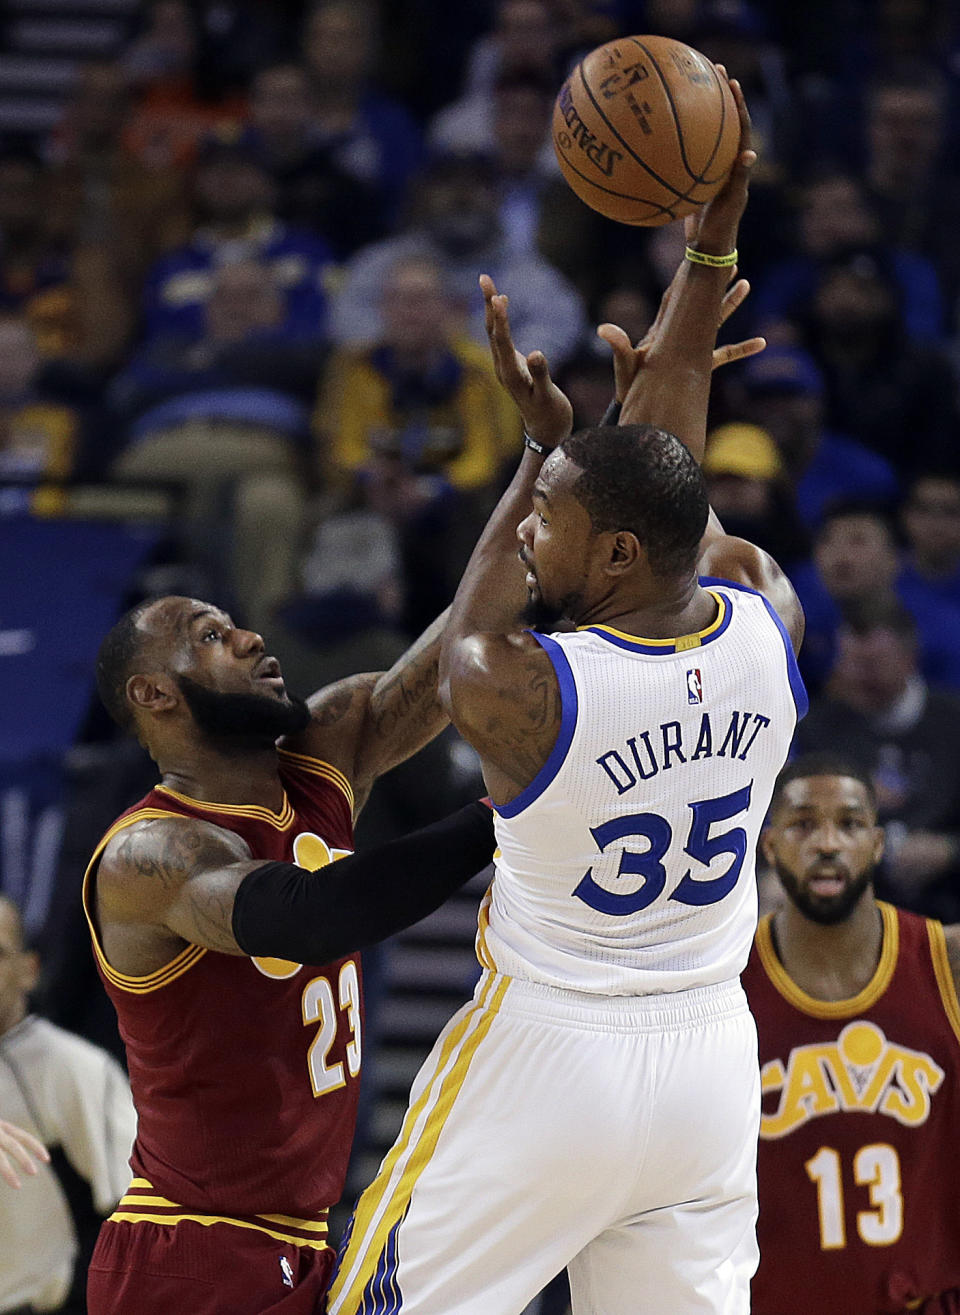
(515, 726)
(341, 701)
(181, 875)
(204, 913)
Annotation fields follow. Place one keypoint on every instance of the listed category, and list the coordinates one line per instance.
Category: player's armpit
(504, 699)
(174, 874)
(952, 937)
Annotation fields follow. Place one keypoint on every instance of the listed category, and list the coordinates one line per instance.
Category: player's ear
(879, 843)
(624, 551)
(29, 973)
(151, 693)
(766, 846)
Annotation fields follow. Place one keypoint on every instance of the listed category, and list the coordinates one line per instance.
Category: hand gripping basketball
(713, 229)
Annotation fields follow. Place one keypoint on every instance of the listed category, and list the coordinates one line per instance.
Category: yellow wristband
(715, 262)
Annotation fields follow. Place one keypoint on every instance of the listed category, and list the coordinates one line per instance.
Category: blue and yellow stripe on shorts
(366, 1279)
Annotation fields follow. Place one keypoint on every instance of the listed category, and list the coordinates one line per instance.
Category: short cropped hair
(643, 480)
(115, 660)
(823, 763)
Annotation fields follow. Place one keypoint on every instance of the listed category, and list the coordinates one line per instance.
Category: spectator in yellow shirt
(417, 428)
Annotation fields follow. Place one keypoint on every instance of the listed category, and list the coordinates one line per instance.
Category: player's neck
(830, 962)
(681, 608)
(236, 777)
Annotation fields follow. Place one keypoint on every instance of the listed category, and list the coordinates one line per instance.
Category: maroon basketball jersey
(859, 1159)
(245, 1072)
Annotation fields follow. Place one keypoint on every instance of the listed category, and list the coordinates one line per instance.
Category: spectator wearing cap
(748, 490)
(896, 397)
(784, 395)
(371, 137)
(882, 711)
(455, 224)
(930, 518)
(234, 201)
(855, 559)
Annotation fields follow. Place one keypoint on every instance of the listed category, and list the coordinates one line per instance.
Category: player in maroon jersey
(245, 1065)
(859, 1028)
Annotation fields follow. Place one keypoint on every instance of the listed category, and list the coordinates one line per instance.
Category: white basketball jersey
(627, 866)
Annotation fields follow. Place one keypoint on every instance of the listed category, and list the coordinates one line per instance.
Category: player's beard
(540, 615)
(827, 912)
(253, 721)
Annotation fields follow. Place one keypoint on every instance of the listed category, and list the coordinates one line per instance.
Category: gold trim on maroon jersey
(317, 767)
(142, 1204)
(941, 968)
(177, 966)
(858, 1003)
(280, 821)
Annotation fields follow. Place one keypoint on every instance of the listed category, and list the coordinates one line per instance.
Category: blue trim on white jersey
(568, 724)
(797, 688)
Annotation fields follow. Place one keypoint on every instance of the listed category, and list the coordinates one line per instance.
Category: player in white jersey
(597, 1106)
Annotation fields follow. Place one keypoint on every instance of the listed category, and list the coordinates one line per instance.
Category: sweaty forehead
(558, 475)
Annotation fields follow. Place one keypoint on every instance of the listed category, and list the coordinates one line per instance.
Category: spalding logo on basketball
(646, 130)
(310, 852)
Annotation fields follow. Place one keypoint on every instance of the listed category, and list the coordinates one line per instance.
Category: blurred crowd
(242, 355)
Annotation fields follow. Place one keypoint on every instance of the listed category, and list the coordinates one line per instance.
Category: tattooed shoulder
(144, 865)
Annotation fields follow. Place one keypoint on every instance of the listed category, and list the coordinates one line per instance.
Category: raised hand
(18, 1149)
(546, 410)
(628, 359)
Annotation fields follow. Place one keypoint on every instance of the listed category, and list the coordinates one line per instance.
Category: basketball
(646, 130)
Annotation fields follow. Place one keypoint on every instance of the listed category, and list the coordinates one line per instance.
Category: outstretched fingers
(737, 351)
(733, 298)
(506, 359)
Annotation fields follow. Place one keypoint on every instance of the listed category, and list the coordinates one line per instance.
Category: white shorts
(616, 1136)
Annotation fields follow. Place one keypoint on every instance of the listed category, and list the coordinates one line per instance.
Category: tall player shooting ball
(597, 1106)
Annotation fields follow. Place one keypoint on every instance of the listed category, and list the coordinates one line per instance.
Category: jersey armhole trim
(568, 724)
(941, 969)
(178, 965)
(801, 699)
(302, 762)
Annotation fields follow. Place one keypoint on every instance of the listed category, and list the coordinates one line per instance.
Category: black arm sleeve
(282, 911)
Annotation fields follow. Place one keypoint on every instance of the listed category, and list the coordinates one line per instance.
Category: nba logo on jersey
(694, 686)
(286, 1269)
